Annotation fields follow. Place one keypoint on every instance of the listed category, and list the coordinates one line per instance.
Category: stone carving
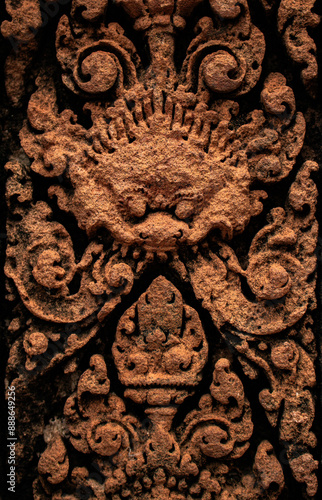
(167, 348)
(294, 19)
(126, 458)
(159, 170)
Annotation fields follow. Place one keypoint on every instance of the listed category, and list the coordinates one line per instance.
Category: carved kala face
(159, 168)
(159, 186)
(130, 166)
(165, 192)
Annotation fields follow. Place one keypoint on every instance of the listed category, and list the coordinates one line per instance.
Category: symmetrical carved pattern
(159, 170)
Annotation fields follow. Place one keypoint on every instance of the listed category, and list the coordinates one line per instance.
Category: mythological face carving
(156, 170)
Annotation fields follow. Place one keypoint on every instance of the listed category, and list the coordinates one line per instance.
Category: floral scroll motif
(139, 175)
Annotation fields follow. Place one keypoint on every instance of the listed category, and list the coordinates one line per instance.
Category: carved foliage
(165, 172)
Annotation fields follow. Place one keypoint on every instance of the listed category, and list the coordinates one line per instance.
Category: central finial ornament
(160, 347)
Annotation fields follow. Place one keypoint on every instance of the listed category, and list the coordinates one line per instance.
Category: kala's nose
(160, 231)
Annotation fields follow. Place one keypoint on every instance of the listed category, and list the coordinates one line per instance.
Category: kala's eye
(137, 206)
(185, 209)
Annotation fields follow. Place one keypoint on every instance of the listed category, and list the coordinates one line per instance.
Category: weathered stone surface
(161, 251)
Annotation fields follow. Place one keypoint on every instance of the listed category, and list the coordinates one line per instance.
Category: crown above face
(223, 58)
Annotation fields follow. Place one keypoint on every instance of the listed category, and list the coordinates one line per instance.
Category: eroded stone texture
(150, 331)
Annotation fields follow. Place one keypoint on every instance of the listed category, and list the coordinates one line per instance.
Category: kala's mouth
(160, 231)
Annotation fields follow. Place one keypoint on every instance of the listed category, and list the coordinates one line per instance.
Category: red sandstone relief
(161, 183)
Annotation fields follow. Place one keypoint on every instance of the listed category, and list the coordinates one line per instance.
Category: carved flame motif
(166, 350)
(159, 169)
